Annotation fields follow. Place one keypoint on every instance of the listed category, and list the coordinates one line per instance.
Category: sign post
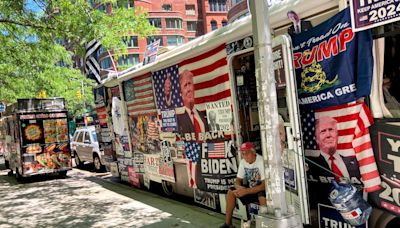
(277, 214)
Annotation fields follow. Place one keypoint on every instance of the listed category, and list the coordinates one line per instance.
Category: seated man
(250, 184)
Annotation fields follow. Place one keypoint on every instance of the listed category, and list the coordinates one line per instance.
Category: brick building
(177, 22)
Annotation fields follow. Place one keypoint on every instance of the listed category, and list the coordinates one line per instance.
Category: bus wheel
(167, 188)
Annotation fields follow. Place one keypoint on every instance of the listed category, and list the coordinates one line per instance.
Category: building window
(224, 23)
(213, 25)
(191, 26)
(126, 3)
(174, 40)
(217, 5)
(190, 10)
(130, 41)
(167, 7)
(191, 38)
(106, 63)
(156, 22)
(173, 23)
(128, 60)
(150, 39)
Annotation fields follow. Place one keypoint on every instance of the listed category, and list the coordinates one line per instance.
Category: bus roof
(232, 32)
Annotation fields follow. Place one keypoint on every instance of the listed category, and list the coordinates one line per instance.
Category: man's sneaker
(226, 226)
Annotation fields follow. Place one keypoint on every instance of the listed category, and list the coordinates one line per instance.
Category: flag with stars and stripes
(216, 150)
(192, 150)
(92, 66)
(142, 101)
(210, 76)
(354, 139)
(164, 100)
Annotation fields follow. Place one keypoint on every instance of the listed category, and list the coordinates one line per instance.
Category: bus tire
(167, 188)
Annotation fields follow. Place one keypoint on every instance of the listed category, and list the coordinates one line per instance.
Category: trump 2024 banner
(366, 14)
(333, 64)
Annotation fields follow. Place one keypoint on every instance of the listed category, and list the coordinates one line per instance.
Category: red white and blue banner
(366, 14)
(333, 64)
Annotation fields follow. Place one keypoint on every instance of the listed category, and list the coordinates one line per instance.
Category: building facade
(176, 22)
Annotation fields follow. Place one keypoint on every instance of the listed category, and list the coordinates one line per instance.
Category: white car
(85, 147)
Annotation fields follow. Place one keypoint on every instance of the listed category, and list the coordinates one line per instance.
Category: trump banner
(333, 64)
(386, 144)
(366, 14)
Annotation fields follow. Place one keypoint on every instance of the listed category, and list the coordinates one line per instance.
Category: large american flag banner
(144, 98)
(192, 150)
(354, 139)
(211, 80)
(159, 78)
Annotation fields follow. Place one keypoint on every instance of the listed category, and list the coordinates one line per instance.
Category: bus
(158, 127)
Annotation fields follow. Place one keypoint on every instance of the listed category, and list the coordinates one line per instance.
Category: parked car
(85, 147)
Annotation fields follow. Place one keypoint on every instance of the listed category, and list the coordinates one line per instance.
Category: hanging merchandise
(333, 64)
(116, 113)
(350, 204)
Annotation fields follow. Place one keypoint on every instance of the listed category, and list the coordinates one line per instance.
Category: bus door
(247, 124)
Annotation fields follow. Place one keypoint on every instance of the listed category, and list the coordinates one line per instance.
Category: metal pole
(268, 108)
(83, 93)
(277, 214)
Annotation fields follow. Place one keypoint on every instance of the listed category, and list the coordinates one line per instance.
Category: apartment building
(177, 22)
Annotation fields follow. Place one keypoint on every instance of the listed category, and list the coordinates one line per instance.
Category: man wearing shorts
(250, 182)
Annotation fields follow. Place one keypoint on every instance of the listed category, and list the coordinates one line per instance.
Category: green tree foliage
(39, 40)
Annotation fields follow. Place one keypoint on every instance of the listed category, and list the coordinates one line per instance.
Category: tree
(40, 39)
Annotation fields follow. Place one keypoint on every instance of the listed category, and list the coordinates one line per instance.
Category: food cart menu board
(55, 130)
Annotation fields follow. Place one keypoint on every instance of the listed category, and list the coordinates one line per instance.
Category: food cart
(37, 137)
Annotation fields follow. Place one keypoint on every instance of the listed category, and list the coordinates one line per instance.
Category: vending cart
(38, 129)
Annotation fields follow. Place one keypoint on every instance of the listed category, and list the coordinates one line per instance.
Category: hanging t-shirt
(116, 113)
(253, 173)
(333, 64)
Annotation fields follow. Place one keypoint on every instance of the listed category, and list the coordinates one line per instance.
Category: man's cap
(247, 146)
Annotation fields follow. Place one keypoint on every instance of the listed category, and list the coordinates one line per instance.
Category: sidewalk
(180, 214)
(85, 199)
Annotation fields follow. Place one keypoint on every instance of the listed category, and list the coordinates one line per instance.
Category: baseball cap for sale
(247, 146)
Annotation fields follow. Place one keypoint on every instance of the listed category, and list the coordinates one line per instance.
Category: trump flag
(353, 121)
(333, 64)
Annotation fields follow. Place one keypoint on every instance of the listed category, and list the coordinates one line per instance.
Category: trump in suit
(191, 120)
(298, 25)
(326, 134)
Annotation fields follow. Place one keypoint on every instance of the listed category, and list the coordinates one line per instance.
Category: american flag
(152, 131)
(159, 79)
(354, 139)
(193, 151)
(102, 115)
(211, 80)
(91, 63)
(216, 150)
(144, 99)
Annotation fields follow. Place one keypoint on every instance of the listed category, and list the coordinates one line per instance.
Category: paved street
(86, 199)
